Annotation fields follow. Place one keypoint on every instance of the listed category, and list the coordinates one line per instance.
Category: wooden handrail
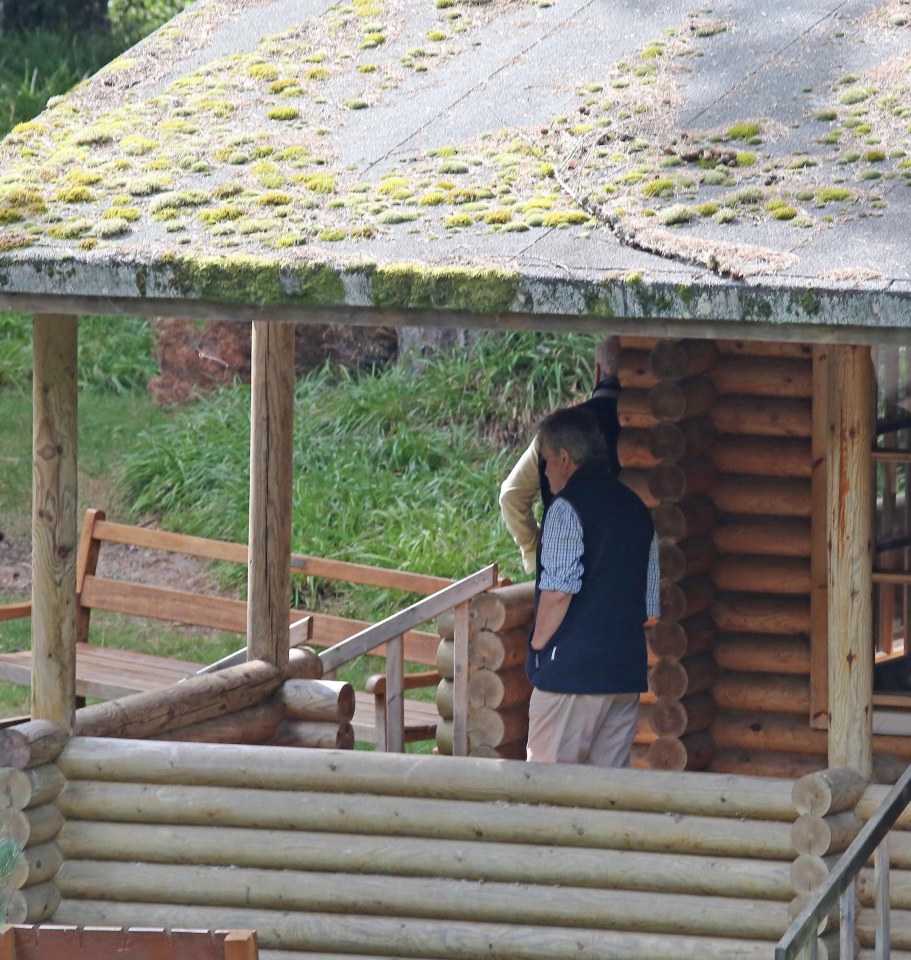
(205, 548)
(15, 611)
(412, 616)
(840, 884)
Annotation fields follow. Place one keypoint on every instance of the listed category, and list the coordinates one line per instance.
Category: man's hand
(552, 607)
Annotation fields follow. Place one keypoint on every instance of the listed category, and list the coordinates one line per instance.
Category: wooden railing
(391, 633)
(840, 887)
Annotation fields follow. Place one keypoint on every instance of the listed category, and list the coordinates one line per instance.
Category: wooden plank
(852, 397)
(819, 558)
(86, 564)
(368, 639)
(15, 611)
(230, 552)
(54, 525)
(271, 453)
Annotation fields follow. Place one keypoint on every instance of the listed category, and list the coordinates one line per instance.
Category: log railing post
(395, 695)
(460, 682)
(271, 437)
(850, 537)
(54, 537)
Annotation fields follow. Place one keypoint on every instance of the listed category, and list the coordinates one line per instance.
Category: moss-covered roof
(732, 167)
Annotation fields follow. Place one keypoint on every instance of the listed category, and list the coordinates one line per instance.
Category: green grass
(391, 469)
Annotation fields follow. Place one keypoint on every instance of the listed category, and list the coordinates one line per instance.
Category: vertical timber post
(271, 443)
(54, 420)
(852, 400)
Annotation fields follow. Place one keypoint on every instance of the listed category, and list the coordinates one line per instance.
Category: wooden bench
(106, 673)
(23, 941)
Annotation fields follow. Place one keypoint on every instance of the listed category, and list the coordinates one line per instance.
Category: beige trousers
(596, 729)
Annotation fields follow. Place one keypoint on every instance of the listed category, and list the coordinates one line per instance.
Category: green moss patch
(471, 290)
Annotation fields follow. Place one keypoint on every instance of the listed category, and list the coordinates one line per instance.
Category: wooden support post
(850, 537)
(271, 435)
(819, 557)
(54, 472)
(395, 702)
(460, 680)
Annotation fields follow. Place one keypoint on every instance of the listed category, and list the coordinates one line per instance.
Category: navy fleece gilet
(600, 645)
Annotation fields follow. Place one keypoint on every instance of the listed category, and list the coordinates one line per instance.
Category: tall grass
(389, 468)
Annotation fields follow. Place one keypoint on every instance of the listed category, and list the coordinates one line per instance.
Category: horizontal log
(762, 574)
(756, 653)
(677, 679)
(15, 789)
(195, 699)
(254, 724)
(766, 763)
(445, 940)
(415, 857)
(514, 750)
(681, 521)
(633, 410)
(763, 456)
(486, 688)
(689, 558)
(32, 904)
(634, 449)
(638, 482)
(334, 735)
(828, 791)
(693, 751)
(46, 782)
(809, 872)
(498, 610)
(670, 638)
(428, 898)
(488, 651)
(44, 823)
(687, 598)
(669, 441)
(739, 613)
(764, 348)
(316, 700)
(634, 370)
(680, 400)
(825, 835)
(678, 359)
(503, 822)
(681, 481)
(769, 731)
(777, 537)
(41, 862)
(669, 717)
(763, 376)
(31, 744)
(763, 417)
(415, 776)
(15, 827)
(762, 496)
(763, 692)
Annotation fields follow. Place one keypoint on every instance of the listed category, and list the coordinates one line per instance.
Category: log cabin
(727, 190)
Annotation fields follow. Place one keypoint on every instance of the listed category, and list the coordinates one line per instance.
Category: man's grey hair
(576, 431)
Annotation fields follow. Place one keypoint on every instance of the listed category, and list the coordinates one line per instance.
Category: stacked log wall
(498, 690)
(762, 534)
(664, 449)
(331, 850)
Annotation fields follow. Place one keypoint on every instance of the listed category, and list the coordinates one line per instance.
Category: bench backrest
(219, 613)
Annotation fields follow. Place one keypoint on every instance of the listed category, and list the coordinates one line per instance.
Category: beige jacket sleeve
(519, 493)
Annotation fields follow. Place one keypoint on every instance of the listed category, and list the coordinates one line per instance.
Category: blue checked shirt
(561, 556)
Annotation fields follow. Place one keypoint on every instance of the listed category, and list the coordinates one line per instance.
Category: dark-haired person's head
(569, 439)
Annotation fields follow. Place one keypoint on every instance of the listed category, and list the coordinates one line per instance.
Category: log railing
(390, 632)
(840, 888)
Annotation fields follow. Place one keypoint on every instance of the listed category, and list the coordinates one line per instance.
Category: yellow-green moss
(432, 198)
(317, 73)
(283, 113)
(331, 235)
(744, 131)
(136, 145)
(122, 212)
(277, 86)
(263, 71)
(452, 288)
(74, 195)
(834, 195)
(220, 214)
(498, 216)
(275, 198)
(564, 218)
(459, 220)
(660, 187)
(319, 182)
(372, 40)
